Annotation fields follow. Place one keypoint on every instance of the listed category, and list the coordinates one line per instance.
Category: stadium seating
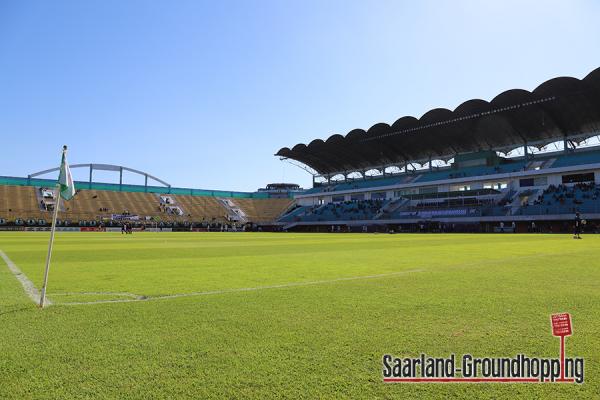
(510, 166)
(422, 176)
(201, 208)
(20, 202)
(100, 203)
(564, 199)
(263, 210)
(95, 204)
(347, 211)
(585, 157)
(295, 213)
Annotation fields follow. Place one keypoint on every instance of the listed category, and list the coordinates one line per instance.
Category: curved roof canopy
(559, 108)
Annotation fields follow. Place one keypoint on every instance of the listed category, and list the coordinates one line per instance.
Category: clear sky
(203, 93)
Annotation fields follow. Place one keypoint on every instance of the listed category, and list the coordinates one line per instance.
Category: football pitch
(268, 316)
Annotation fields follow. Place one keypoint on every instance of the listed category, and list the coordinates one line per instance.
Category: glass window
(575, 178)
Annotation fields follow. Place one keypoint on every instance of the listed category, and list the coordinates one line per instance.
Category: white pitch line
(28, 286)
(248, 289)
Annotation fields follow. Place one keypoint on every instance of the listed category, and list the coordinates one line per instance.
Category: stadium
(263, 200)
(524, 157)
(522, 162)
(299, 293)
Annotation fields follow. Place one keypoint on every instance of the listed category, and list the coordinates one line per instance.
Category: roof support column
(145, 182)
(120, 177)
(91, 173)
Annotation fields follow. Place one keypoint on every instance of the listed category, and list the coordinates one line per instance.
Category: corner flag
(65, 179)
(65, 189)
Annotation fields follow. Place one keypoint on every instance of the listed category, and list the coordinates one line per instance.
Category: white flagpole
(49, 255)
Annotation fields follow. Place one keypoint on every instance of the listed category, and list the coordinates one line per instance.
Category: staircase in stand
(391, 207)
(234, 212)
(169, 205)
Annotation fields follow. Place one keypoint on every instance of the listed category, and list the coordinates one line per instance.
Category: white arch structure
(105, 167)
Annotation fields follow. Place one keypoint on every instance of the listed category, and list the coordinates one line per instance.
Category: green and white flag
(67, 191)
(65, 179)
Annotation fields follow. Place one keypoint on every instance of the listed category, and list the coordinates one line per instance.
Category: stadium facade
(528, 160)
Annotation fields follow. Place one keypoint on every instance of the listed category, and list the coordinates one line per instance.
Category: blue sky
(202, 94)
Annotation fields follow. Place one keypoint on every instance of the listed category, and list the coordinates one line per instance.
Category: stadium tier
(19, 202)
(29, 202)
(520, 158)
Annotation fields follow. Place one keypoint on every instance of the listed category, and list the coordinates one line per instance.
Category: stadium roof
(559, 108)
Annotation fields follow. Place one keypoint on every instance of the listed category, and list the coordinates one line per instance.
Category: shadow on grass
(16, 310)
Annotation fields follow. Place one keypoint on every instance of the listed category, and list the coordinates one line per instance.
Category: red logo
(561, 324)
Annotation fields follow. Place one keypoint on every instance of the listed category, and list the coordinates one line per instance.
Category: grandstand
(27, 203)
(523, 157)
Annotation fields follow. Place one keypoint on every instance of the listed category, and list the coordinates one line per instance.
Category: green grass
(488, 295)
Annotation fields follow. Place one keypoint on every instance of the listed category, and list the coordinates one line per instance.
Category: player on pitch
(577, 227)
